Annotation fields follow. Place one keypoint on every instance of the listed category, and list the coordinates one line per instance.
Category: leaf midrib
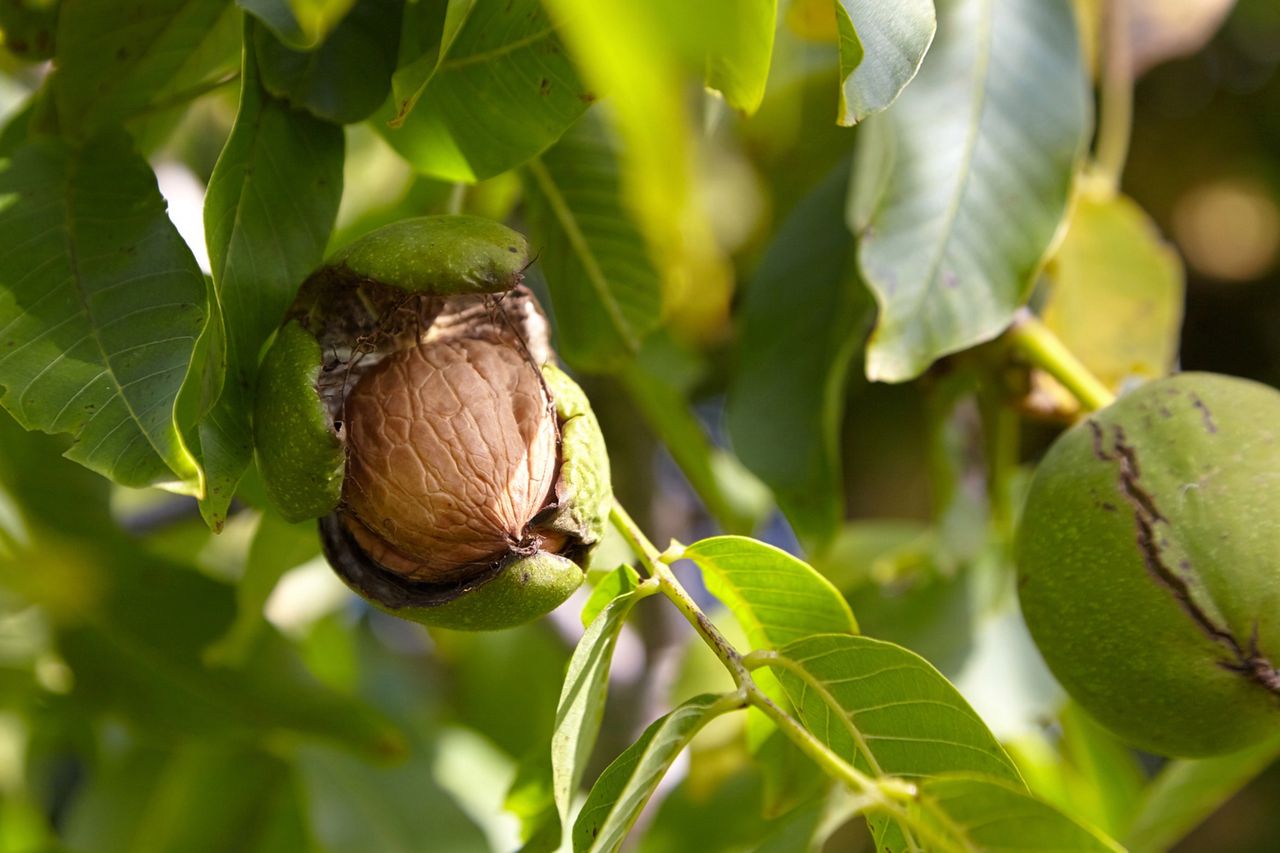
(980, 76)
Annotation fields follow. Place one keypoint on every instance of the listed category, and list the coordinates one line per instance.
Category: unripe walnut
(451, 453)
(1149, 564)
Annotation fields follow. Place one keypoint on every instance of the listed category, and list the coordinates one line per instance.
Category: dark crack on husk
(1250, 662)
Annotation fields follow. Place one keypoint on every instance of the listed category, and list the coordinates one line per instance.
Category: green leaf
(209, 66)
(881, 48)
(964, 181)
(582, 698)
(786, 399)
(887, 709)
(734, 497)
(276, 548)
(964, 812)
(618, 582)
(776, 597)
(504, 93)
(738, 39)
(112, 58)
(271, 204)
(1187, 791)
(427, 34)
(1115, 291)
(301, 24)
(195, 798)
(621, 792)
(100, 306)
(610, 41)
(606, 292)
(889, 712)
(346, 78)
(356, 807)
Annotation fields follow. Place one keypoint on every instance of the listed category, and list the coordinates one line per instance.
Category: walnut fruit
(1149, 564)
(460, 478)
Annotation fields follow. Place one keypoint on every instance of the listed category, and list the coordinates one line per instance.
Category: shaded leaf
(356, 807)
(160, 800)
(112, 58)
(1116, 291)
(963, 183)
(427, 34)
(582, 698)
(786, 400)
(881, 47)
(504, 93)
(346, 78)
(1186, 791)
(302, 24)
(277, 547)
(271, 204)
(212, 64)
(734, 497)
(621, 792)
(606, 292)
(100, 306)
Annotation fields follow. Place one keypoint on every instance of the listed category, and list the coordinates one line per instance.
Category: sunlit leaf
(738, 38)
(504, 92)
(606, 292)
(268, 212)
(610, 41)
(621, 792)
(786, 401)
(100, 306)
(1116, 291)
(618, 582)
(776, 597)
(962, 185)
(582, 697)
(888, 711)
(113, 58)
(881, 47)
(963, 812)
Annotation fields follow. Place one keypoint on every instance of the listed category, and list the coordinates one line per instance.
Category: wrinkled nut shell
(452, 450)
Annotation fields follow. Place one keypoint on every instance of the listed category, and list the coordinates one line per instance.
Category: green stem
(622, 521)
(887, 793)
(1115, 119)
(1039, 345)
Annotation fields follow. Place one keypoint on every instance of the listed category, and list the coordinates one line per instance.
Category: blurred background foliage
(165, 689)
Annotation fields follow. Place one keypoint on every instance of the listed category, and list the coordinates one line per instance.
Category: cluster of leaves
(966, 191)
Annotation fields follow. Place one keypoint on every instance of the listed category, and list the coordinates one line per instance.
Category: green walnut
(1149, 564)
(411, 403)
